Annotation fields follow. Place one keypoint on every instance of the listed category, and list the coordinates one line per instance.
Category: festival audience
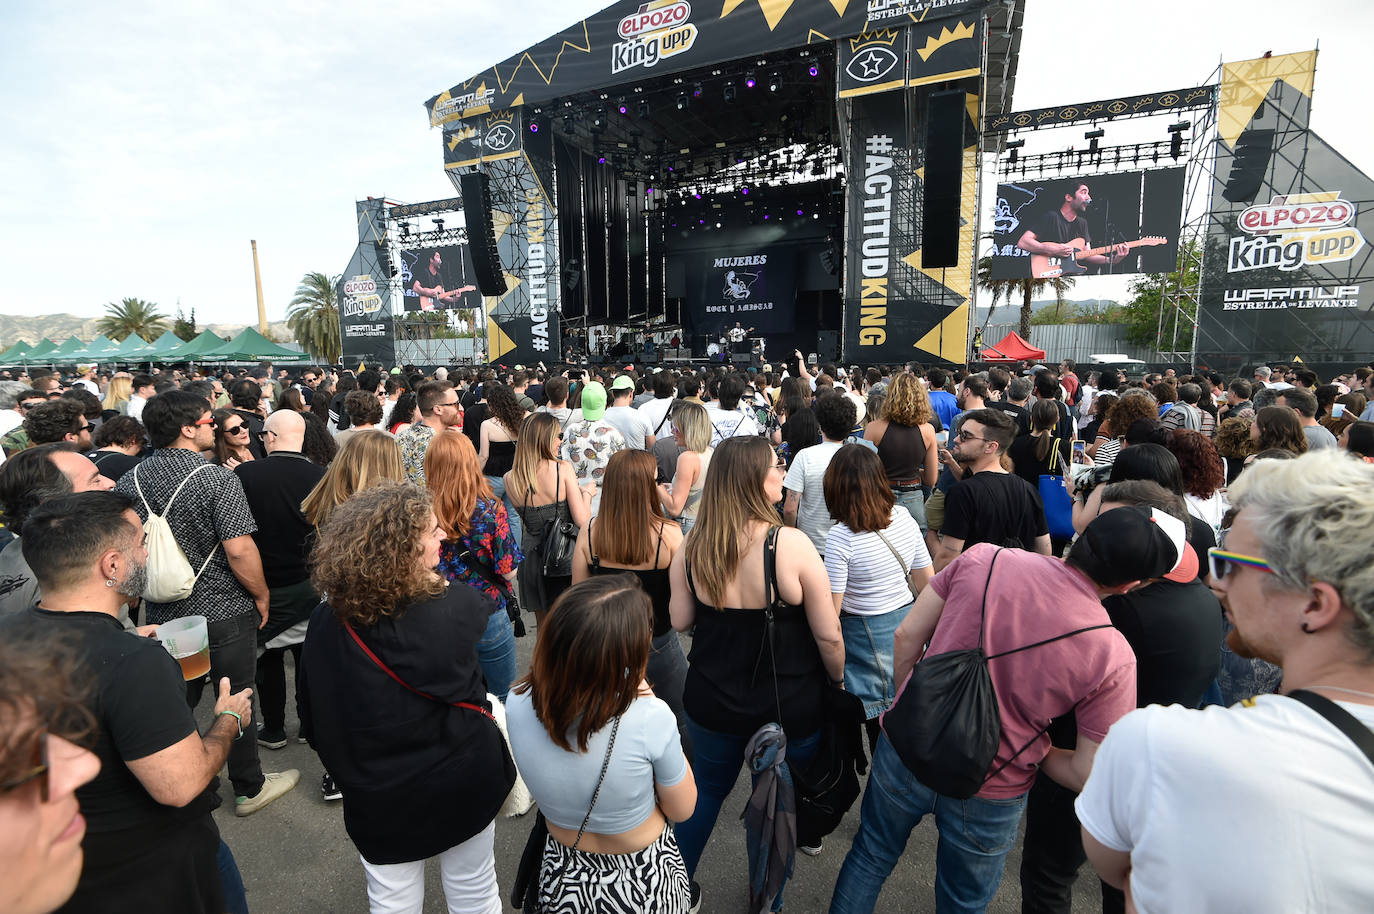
(1277, 428)
(804, 503)
(906, 444)
(230, 447)
(681, 495)
(118, 446)
(439, 410)
(496, 438)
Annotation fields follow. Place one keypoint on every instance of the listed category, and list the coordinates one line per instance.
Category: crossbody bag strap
(605, 764)
(591, 548)
(1339, 718)
(770, 593)
(1054, 457)
(901, 563)
(983, 610)
(386, 669)
(664, 419)
(1026, 647)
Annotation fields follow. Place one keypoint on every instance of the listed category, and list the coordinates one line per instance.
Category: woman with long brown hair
(1277, 427)
(392, 700)
(1039, 452)
(906, 445)
(479, 550)
(367, 458)
(232, 437)
(600, 754)
(631, 535)
(497, 435)
(876, 560)
(739, 571)
(543, 488)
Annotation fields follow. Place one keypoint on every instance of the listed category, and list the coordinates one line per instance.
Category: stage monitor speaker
(486, 261)
(943, 179)
(828, 345)
(1252, 152)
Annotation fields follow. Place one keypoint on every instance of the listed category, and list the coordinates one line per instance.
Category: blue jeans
(868, 658)
(235, 899)
(496, 654)
(719, 757)
(498, 485)
(667, 674)
(975, 836)
(915, 504)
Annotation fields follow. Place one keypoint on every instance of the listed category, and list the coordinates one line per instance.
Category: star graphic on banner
(871, 63)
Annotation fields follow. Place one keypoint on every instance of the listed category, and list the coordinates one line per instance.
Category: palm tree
(1027, 289)
(132, 315)
(313, 317)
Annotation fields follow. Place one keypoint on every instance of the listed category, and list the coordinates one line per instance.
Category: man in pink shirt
(1019, 598)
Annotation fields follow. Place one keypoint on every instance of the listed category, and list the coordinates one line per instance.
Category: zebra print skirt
(654, 879)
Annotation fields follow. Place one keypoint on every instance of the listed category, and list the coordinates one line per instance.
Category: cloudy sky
(147, 142)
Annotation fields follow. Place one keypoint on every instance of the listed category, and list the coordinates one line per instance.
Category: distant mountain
(58, 327)
(1012, 310)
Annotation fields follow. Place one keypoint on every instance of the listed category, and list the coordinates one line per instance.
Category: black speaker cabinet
(486, 262)
(943, 180)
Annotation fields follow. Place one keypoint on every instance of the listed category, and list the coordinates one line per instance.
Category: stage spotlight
(801, 212)
(774, 81)
(1015, 147)
(568, 123)
(1176, 138)
(601, 160)
(744, 190)
(717, 225)
(599, 122)
(624, 109)
(729, 91)
(683, 101)
(643, 108)
(696, 91)
(1092, 136)
(749, 80)
(438, 225)
(534, 126)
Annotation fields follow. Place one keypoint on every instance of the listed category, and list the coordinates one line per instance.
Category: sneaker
(274, 785)
(696, 899)
(330, 790)
(811, 850)
(272, 739)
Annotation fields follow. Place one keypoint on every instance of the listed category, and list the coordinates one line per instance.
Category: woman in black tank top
(905, 440)
(630, 534)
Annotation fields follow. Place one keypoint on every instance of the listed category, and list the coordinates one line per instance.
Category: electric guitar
(445, 297)
(1045, 267)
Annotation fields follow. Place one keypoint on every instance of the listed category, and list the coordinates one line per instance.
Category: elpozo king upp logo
(1293, 231)
(360, 296)
(872, 56)
(656, 30)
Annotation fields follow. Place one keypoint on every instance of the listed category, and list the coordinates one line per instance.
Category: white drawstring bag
(170, 577)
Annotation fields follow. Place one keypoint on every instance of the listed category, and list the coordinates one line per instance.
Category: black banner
(445, 273)
(1287, 269)
(364, 295)
(872, 62)
(754, 285)
(477, 139)
(523, 339)
(1106, 210)
(635, 40)
(1175, 99)
(945, 49)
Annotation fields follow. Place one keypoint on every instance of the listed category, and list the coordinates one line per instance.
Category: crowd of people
(1161, 581)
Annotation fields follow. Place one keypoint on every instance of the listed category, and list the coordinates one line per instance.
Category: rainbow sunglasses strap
(1241, 559)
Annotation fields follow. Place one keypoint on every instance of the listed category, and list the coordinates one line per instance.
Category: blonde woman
(118, 393)
(542, 487)
(739, 569)
(364, 459)
(906, 444)
(691, 430)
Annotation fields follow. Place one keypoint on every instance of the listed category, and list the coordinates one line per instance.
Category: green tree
(1156, 293)
(184, 328)
(1009, 290)
(313, 317)
(132, 315)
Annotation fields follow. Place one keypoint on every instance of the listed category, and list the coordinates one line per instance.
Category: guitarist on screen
(429, 281)
(1052, 233)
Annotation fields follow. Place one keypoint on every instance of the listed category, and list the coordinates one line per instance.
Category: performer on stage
(430, 282)
(1051, 234)
(737, 334)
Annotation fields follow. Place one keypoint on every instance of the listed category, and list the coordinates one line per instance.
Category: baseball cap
(1137, 543)
(395, 371)
(623, 382)
(593, 400)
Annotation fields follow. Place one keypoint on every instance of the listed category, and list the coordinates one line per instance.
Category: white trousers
(468, 872)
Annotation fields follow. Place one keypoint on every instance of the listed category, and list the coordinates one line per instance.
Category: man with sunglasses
(1269, 804)
(988, 504)
(440, 409)
(150, 843)
(59, 420)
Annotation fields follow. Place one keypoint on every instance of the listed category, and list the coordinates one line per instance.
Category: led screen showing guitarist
(1054, 233)
(437, 290)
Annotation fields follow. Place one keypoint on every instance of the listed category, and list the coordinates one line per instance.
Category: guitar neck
(1105, 249)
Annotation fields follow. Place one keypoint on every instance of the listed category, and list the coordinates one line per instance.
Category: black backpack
(946, 726)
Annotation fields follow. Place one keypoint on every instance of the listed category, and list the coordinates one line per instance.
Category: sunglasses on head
(1220, 562)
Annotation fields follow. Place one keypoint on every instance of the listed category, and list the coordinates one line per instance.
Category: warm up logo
(653, 32)
(1293, 231)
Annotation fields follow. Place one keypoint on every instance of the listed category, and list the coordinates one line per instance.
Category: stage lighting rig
(1014, 146)
(623, 108)
(683, 101)
(750, 80)
(1176, 138)
(729, 91)
(438, 225)
(599, 122)
(1092, 136)
(643, 108)
(774, 81)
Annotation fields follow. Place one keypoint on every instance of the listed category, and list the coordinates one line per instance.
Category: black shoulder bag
(495, 580)
(1339, 718)
(946, 725)
(559, 539)
(827, 785)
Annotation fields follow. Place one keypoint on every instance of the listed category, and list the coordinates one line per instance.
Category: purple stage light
(624, 110)
(534, 128)
(744, 190)
(601, 160)
(801, 212)
(697, 196)
(701, 222)
(813, 70)
(766, 217)
(750, 82)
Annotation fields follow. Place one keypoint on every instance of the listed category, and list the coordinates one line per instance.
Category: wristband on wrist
(234, 714)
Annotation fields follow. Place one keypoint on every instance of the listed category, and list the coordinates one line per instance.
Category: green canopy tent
(150, 352)
(131, 344)
(192, 350)
(11, 355)
(40, 354)
(99, 348)
(252, 346)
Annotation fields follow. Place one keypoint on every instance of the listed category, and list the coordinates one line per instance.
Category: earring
(1306, 630)
(111, 582)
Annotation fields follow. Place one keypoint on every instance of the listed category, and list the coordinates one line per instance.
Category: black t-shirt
(113, 464)
(275, 488)
(1019, 414)
(1201, 537)
(1030, 468)
(1055, 229)
(1175, 631)
(473, 417)
(139, 702)
(998, 508)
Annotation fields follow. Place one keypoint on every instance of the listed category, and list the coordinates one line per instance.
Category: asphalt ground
(296, 858)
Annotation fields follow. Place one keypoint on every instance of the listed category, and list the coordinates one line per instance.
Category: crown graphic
(936, 42)
(457, 136)
(886, 36)
(501, 117)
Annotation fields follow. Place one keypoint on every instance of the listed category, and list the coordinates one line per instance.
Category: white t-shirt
(734, 423)
(655, 413)
(1257, 807)
(9, 420)
(806, 477)
(631, 424)
(862, 568)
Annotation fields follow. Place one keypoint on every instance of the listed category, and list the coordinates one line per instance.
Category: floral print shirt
(588, 446)
(414, 443)
(489, 541)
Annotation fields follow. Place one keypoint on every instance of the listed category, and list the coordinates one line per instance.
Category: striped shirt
(862, 567)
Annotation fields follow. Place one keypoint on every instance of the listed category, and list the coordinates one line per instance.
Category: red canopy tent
(1012, 348)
